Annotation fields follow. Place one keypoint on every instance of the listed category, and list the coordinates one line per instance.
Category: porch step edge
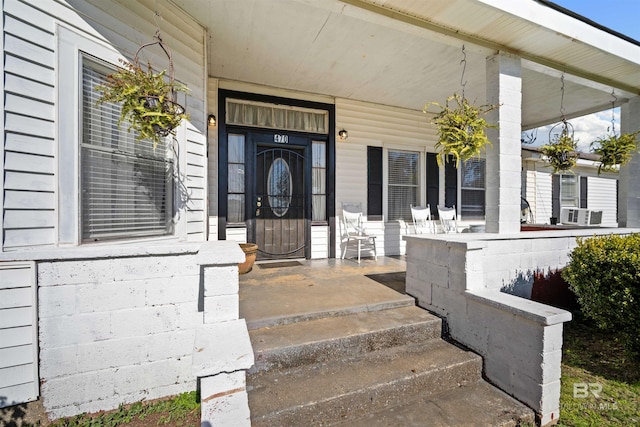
(351, 388)
(334, 338)
(400, 301)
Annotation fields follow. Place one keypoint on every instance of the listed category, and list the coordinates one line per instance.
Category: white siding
(602, 195)
(30, 123)
(375, 125)
(319, 241)
(18, 335)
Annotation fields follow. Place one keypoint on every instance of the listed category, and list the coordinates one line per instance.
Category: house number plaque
(281, 139)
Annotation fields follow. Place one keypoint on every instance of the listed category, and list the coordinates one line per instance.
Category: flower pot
(250, 251)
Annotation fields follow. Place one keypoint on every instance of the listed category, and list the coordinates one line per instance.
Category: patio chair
(422, 219)
(448, 219)
(352, 220)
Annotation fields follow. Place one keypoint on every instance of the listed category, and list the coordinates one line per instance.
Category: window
(235, 183)
(472, 188)
(403, 184)
(272, 116)
(569, 194)
(319, 181)
(125, 185)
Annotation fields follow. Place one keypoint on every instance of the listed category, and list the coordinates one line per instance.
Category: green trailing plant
(147, 100)
(461, 129)
(604, 273)
(615, 150)
(561, 153)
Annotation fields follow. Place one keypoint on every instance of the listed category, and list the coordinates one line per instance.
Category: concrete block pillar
(222, 351)
(629, 180)
(504, 159)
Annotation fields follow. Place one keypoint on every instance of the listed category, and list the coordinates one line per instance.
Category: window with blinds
(126, 185)
(569, 194)
(403, 184)
(472, 189)
(273, 116)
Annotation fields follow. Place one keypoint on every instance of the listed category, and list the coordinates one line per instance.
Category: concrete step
(334, 338)
(472, 405)
(387, 300)
(351, 388)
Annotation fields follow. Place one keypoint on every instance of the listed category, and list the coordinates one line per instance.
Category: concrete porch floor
(275, 293)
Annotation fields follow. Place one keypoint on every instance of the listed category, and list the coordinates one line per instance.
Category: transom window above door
(274, 116)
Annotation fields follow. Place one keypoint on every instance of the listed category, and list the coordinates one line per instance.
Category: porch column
(504, 87)
(629, 180)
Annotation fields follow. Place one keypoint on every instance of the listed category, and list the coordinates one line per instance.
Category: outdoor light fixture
(343, 134)
(211, 120)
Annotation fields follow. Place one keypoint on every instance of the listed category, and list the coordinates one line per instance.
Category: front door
(280, 225)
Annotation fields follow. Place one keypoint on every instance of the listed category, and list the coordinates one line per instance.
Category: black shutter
(374, 183)
(433, 183)
(555, 196)
(450, 183)
(583, 192)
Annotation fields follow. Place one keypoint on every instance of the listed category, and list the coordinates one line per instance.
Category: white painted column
(629, 184)
(504, 87)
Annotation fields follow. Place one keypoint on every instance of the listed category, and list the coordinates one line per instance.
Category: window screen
(126, 185)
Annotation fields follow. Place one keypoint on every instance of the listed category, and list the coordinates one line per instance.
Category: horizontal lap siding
(602, 195)
(29, 145)
(30, 181)
(374, 125)
(18, 343)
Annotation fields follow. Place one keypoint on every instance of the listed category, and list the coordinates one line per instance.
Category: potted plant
(461, 129)
(148, 98)
(250, 252)
(615, 150)
(561, 153)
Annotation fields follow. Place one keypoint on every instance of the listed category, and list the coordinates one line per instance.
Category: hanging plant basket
(461, 129)
(148, 99)
(615, 150)
(561, 153)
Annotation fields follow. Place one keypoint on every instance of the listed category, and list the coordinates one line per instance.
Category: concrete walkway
(292, 291)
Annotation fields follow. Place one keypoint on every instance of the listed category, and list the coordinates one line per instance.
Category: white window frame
(461, 188)
(69, 118)
(562, 200)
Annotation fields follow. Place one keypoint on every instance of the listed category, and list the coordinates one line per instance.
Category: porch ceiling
(407, 52)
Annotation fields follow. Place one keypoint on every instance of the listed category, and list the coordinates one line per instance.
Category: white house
(111, 246)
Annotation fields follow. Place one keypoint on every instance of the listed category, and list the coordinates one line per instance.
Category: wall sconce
(211, 120)
(343, 134)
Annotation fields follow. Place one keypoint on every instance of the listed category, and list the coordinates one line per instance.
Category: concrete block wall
(119, 324)
(116, 329)
(460, 276)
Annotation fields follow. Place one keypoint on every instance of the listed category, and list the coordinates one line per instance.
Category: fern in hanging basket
(561, 153)
(148, 100)
(615, 150)
(461, 129)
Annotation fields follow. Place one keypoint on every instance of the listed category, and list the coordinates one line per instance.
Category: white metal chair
(354, 229)
(448, 219)
(422, 219)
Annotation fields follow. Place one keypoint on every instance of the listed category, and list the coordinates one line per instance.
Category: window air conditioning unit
(582, 217)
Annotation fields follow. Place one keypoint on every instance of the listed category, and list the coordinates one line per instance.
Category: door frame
(224, 130)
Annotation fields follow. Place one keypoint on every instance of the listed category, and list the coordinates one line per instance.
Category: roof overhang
(407, 53)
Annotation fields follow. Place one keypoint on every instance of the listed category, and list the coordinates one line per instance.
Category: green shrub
(604, 273)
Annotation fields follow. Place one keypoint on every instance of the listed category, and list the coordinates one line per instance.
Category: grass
(600, 381)
(181, 410)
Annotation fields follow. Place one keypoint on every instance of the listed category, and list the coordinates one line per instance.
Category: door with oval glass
(280, 225)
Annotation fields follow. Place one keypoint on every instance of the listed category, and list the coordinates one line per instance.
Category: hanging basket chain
(463, 62)
(613, 116)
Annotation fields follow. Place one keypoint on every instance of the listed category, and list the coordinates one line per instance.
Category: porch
(340, 343)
